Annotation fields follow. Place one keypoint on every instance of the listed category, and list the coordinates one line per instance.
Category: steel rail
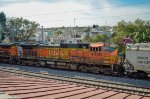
(82, 81)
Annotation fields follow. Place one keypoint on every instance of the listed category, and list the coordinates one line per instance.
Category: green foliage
(105, 28)
(57, 33)
(87, 38)
(138, 30)
(2, 17)
(96, 38)
(99, 38)
(49, 33)
(2, 25)
(22, 28)
(87, 29)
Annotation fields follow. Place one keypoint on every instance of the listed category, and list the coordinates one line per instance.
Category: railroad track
(83, 81)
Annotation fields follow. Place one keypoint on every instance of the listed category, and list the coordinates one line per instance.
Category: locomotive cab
(105, 55)
(95, 49)
(96, 53)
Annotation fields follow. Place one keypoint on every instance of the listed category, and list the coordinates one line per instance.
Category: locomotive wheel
(117, 69)
(73, 66)
(22, 63)
(139, 75)
(96, 71)
(135, 75)
(37, 64)
(83, 69)
(4, 61)
(143, 75)
(41, 63)
(11, 62)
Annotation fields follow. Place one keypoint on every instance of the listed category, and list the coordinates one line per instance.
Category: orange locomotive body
(95, 57)
(97, 54)
(8, 53)
(99, 58)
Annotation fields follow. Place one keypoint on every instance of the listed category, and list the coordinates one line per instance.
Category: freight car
(95, 57)
(137, 60)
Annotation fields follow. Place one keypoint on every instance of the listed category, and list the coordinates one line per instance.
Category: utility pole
(13, 34)
(74, 22)
(105, 24)
(42, 36)
(12, 31)
(74, 26)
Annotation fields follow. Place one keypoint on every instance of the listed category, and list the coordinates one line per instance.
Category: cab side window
(99, 48)
(95, 48)
(91, 49)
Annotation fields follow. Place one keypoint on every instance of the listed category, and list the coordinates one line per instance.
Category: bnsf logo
(96, 54)
(53, 52)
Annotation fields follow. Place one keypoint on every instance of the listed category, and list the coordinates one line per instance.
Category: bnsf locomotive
(95, 57)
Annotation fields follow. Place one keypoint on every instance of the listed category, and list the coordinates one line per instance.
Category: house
(96, 31)
(69, 35)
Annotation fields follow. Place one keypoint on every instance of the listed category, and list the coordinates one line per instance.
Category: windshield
(110, 49)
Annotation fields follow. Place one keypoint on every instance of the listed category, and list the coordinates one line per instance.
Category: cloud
(47, 13)
(54, 13)
(11, 2)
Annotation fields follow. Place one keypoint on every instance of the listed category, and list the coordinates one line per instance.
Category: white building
(71, 36)
(38, 37)
(68, 36)
(96, 31)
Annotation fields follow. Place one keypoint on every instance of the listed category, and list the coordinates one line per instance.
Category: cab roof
(96, 44)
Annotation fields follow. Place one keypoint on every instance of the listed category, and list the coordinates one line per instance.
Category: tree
(86, 29)
(99, 38)
(138, 30)
(22, 28)
(57, 33)
(87, 38)
(142, 31)
(105, 28)
(2, 25)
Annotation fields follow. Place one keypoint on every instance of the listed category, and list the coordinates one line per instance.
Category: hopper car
(137, 60)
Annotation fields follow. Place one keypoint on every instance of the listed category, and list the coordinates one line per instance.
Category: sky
(57, 13)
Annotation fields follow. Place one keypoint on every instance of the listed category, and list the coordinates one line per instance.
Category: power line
(94, 17)
(76, 11)
(101, 17)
